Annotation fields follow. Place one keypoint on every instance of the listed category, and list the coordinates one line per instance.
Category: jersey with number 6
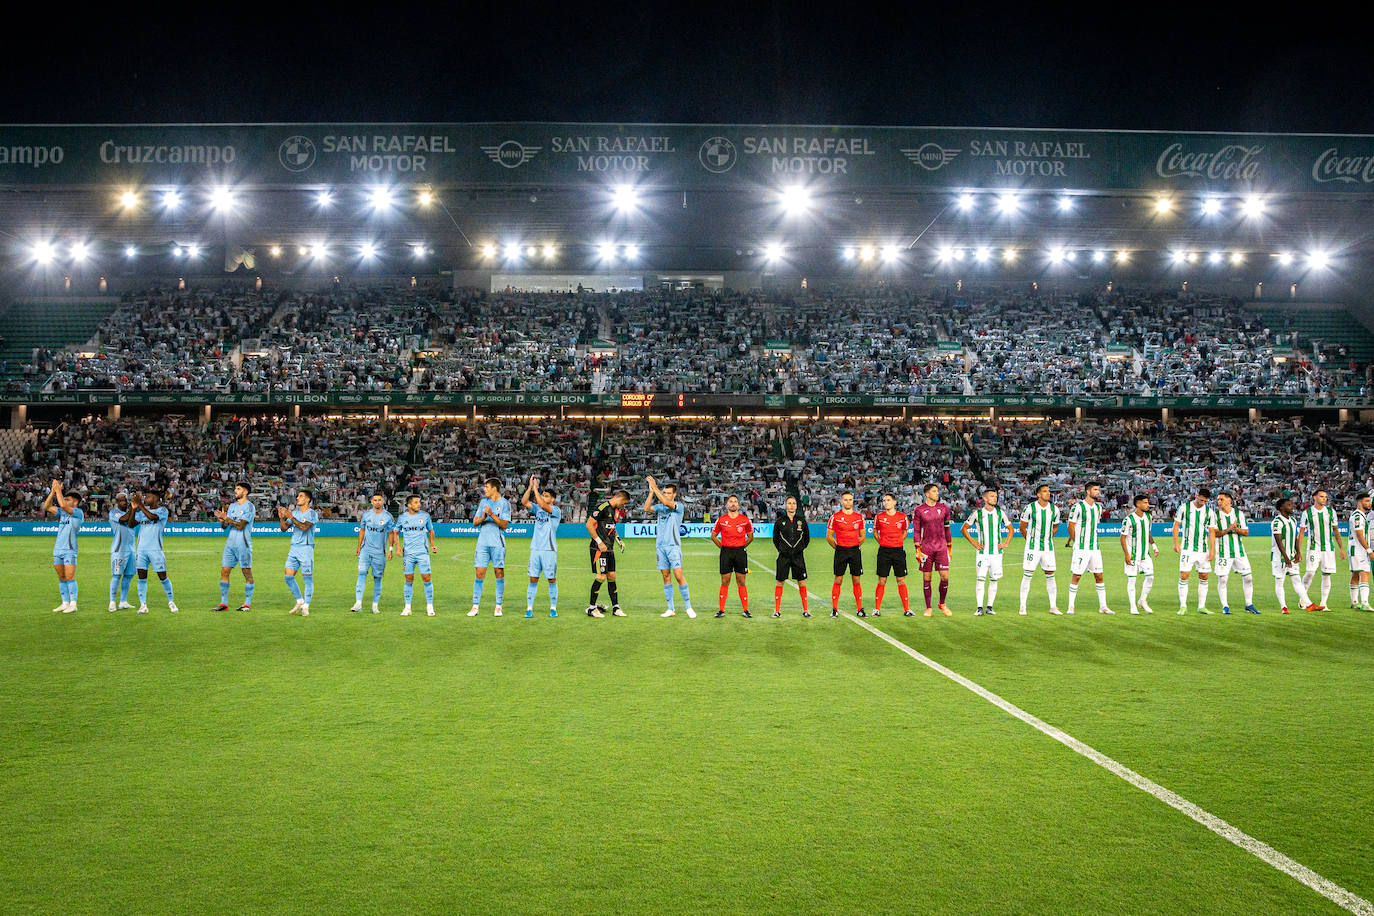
(1319, 523)
(1361, 521)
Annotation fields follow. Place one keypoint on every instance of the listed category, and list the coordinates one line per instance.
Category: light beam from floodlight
(866, 253)
(1008, 204)
(128, 200)
(773, 251)
(130, 251)
(324, 198)
(550, 251)
(192, 251)
(625, 198)
(1237, 258)
(368, 251)
(79, 251)
(965, 202)
(1253, 207)
(512, 251)
(631, 252)
(1318, 260)
(982, 254)
(848, 253)
(1163, 204)
(171, 200)
(1285, 258)
(221, 198)
(606, 251)
(1211, 206)
(795, 199)
(43, 252)
(488, 251)
(1065, 204)
(380, 197)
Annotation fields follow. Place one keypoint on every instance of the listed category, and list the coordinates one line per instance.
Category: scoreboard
(634, 400)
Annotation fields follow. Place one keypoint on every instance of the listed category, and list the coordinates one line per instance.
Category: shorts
(419, 565)
(795, 567)
(669, 558)
(64, 558)
(1145, 566)
(1190, 560)
(1234, 565)
(151, 560)
(373, 559)
(935, 560)
(1359, 560)
(302, 558)
(488, 555)
(891, 560)
(543, 563)
(850, 558)
(1279, 570)
(1044, 559)
(603, 561)
(122, 565)
(988, 566)
(733, 560)
(1086, 561)
(1323, 559)
(235, 555)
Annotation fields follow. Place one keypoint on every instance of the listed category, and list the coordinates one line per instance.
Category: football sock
(1301, 589)
(992, 592)
(1354, 593)
(667, 595)
(1279, 591)
(596, 590)
(1202, 586)
(553, 596)
(376, 589)
(248, 593)
(944, 589)
(143, 590)
(358, 589)
(1101, 594)
(408, 591)
(167, 587)
(614, 591)
(1130, 590)
(1025, 589)
(835, 595)
(1247, 587)
(925, 587)
(529, 595)
(878, 596)
(290, 583)
(1052, 589)
(309, 588)
(724, 593)
(979, 586)
(429, 591)
(858, 596)
(777, 598)
(1145, 587)
(124, 587)
(1182, 592)
(686, 595)
(501, 590)
(744, 597)
(1308, 576)
(1362, 593)
(62, 590)
(1326, 589)
(1073, 594)
(901, 593)
(71, 590)
(1223, 591)
(802, 588)
(479, 584)
(114, 589)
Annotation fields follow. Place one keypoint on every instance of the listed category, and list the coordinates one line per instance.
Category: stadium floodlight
(43, 252)
(1007, 204)
(380, 197)
(1163, 204)
(419, 250)
(795, 199)
(981, 254)
(303, 251)
(130, 251)
(866, 253)
(1069, 256)
(1237, 258)
(773, 251)
(276, 251)
(531, 251)
(1178, 257)
(221, 198)
(1123, 256)
(1285, 258)
(1214, 258)
(488, 251)
(631, 252)
(1318, 260)
(1058, 255)
(606, 251)
(624, 197)
(128, 200)
(1065, 204)
(177, 251)
(1192, 257)
(945, 253)
(965, 202)
(512, 251)
(550, 250)
(171, 200)
(426, 198)
(1253, 207)
(318, 251)
(368, 251)
(1009, 255)
(891, 253)
(324, 198)
(192, 251)
(1211, 206)
(1099, 256)
(849, 253)
(79, 251)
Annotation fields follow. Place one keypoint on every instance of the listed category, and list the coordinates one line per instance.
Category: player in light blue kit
(493, 515)
(237, 517)
(66, 506)
(151, 519)
(668, 543)
(416, 529)
(544, 544)
(376, 545)
(122, 560)
(301, 557)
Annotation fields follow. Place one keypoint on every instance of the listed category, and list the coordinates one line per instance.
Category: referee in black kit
(791, 535)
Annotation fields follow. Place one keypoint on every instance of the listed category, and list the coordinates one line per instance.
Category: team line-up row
(1207, 538)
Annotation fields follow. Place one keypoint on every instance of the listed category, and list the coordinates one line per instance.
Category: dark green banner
(681, 156)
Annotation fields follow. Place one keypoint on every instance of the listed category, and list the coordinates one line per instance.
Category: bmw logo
(718, 155)
(296, 153)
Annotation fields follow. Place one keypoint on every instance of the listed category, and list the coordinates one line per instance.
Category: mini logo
(296, 153)
(931, 156)
(511, 154)
(718, 155)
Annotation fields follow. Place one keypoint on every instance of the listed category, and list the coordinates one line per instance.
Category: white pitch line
(1261, 850)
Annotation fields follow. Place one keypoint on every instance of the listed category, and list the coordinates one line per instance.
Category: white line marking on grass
(1261, 850)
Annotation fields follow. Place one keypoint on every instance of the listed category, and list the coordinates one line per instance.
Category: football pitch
(358, 763)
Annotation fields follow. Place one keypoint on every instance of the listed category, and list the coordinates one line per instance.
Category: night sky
(1174, 66)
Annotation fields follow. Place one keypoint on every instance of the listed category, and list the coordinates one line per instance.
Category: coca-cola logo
(1234, 162)
(1332, 166)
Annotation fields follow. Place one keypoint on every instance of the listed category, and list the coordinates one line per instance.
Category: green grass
(359, 763)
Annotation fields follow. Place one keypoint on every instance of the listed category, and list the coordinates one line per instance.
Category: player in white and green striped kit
(1084, 516)
(1285, 553)
(994, 534)
(1361, 531)
(1192, 543)
(1228, 545)
(1038, 523)
(1323, 532)
(1138, 544)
